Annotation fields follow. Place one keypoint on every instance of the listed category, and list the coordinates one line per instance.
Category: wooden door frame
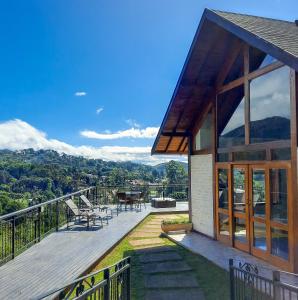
(224, 239)
(265, 255)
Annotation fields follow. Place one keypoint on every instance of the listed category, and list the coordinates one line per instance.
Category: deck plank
(64, 255)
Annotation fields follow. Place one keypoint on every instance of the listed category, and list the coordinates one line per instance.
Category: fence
(21, 229)
(111, 283)
(108, 194)
(247, 284)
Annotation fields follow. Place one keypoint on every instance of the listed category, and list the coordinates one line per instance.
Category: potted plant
(176, 225)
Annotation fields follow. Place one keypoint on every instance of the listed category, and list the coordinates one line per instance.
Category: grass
(213, 280)
(180, 220)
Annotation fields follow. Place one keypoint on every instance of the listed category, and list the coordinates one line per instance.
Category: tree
(175, 173)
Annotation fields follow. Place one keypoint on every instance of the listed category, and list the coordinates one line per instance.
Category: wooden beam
(175, 134)
(181, 143)
(250, 76)
(228, 64)
(246, 95)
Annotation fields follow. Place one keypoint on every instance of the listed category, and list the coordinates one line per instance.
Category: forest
(28, 177)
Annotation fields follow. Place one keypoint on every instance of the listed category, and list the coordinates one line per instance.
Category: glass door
(259, 210)
(240, 207)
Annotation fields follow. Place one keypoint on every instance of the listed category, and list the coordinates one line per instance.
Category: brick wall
(202, 193)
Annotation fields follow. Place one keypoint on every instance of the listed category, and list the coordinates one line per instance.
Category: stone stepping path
(145, 242)
(159, 257)
(166, 274)
(168, 266)
(179, 280)
(140, 234)
(175, 294)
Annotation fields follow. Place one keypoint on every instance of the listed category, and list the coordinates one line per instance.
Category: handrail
(15, 213)
(74, 283)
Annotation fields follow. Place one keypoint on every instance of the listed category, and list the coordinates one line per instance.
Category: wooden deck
(64, 255)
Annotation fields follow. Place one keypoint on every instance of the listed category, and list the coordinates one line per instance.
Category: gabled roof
(218, 38)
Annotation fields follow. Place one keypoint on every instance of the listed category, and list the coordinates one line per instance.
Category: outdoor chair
(141, 201)
(122, 200)
(89, 215)
(92, 207)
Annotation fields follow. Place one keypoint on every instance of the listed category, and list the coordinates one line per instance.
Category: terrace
(42, 248)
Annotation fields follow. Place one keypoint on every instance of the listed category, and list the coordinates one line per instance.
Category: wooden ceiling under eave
(213, 47)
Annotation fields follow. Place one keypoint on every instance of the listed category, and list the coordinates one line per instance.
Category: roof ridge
(248, 15)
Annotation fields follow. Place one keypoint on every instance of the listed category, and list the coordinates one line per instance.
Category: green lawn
(213, 280)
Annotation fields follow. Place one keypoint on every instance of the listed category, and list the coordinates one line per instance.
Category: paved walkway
(220, 254)
(65, 255)
(166, 274)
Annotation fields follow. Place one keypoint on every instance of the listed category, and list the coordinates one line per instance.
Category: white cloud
(269, 96)
(133, 123)
(18, 135)
(99, 110)
(80, 94)
(136, 133)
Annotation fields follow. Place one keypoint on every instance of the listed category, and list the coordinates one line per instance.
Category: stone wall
(202, 193)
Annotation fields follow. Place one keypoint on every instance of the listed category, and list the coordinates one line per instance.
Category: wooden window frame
(245, 81)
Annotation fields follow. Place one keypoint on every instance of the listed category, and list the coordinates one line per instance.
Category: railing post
(13, 237)
(276, 285)
(39, 224)
(128, 280)
(232, 282)
(106, 292)
(57, 215)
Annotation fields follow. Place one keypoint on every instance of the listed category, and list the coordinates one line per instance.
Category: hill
(46, 174)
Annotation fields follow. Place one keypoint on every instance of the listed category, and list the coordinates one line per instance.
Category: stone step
(155, 230)
(175, 294)
(159, 257)
(159, 249)
(145, 242)
(145, 247)
(179, 280)
(140, 234)
(165, 267)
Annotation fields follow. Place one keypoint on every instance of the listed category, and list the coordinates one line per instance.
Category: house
(234, 113)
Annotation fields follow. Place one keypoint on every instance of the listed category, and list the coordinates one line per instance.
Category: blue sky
(72, 70)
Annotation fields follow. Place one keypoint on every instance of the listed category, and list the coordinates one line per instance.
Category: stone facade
(202, 194)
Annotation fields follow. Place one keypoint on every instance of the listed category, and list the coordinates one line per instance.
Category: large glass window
(204, 136)
(259, 59)
(279, 195)
(270, 107)
(230, 118)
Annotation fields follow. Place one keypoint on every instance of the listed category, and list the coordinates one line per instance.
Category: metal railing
(247, 284)
(23, 228)
(108, 194)
(111, 283)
